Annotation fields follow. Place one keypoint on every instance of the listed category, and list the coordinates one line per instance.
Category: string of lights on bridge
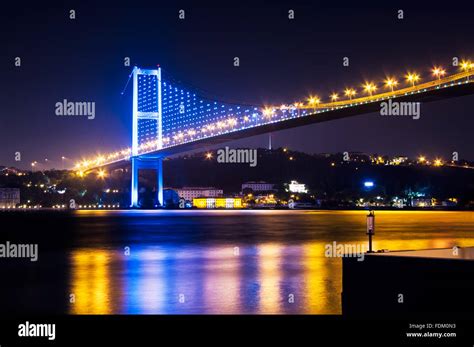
(187, 118)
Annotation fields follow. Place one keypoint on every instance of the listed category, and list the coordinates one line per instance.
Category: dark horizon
(281, 61)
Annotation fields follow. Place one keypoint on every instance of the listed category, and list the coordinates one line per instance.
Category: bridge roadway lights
(141, 163)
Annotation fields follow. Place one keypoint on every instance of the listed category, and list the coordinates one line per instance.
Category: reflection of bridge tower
(146, 128)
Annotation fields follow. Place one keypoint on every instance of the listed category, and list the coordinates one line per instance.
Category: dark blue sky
(280, 61)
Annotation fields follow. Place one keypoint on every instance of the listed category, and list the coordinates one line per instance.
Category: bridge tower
(146, 128)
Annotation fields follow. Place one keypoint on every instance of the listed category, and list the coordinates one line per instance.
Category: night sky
(281, 61)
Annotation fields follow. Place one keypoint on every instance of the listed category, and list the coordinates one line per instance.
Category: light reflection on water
(283, 259)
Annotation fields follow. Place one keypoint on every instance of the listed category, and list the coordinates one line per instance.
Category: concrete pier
(428, 283)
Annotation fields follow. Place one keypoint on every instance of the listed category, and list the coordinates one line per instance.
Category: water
(194, 262)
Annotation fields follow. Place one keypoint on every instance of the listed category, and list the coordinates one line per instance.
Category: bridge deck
(451, 86)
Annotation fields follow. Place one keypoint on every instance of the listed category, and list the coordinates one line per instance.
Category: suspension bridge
(168, 119)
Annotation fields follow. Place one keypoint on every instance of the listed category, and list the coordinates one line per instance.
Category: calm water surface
(234, 261)
(194, 262)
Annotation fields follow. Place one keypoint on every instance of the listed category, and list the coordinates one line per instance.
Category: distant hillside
(325, 175)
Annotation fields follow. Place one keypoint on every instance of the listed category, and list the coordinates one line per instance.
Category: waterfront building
(189, 193)
(217, 202)
(260, 186)
(422, 202)
(9, 197)
(295, 187)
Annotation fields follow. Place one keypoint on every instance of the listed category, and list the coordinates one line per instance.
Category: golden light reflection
(90, 282)
(269, 264)
(317, 276)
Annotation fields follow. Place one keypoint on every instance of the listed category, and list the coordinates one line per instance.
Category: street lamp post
(466, 66)
(369, 88)
(349, 92)
(391, 83)
(412, 78)
(314, 101)
(370, 228)
(438, 72)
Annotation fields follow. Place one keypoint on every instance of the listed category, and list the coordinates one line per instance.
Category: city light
(421, 159)
(369, 88)
(350, 93)
(101, 174)
(438, 72)
(412, 78)
(368, 184)
(465, 65)
(334, 97)
(438, 162)
(208, 155)
(314, 101)
(391, 83)
(267, 112)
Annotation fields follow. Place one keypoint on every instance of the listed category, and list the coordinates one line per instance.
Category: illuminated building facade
(217, 202)
(296, 187)
(422, 202)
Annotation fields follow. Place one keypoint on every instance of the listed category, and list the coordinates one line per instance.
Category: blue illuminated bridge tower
(147, 125)
(166, 116)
